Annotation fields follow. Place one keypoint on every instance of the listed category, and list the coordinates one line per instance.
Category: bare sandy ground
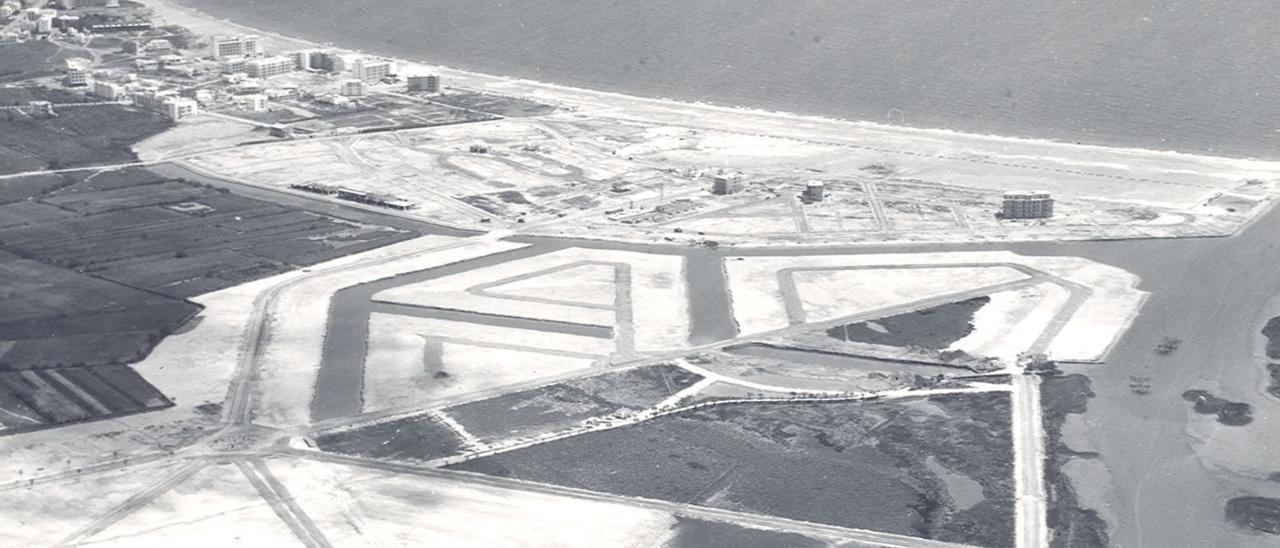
(356, 507)
(396, 373)
(684, 135)
(1003, 327)
(1086, 337)
(218, 506)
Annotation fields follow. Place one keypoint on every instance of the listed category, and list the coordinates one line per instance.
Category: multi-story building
(429, 83)
(1027, 205)
(725, 183)
(302, 59)
(233, 46)
(177, 108)
(814, 191)
(368, 69)
(77, 77)
(352, 88)
(234, 65)
(77, 4)
(269, 66)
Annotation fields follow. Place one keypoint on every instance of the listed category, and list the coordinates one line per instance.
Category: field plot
(54, 316)
(178, 238)
(38, 398)
(859, 465)
(563, 405)
(76, 137)
(418, 438)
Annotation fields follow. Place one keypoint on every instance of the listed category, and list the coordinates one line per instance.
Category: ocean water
(1191, 75)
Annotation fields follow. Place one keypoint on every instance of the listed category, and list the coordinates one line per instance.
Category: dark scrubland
(932, 328)
(1257, 513)
(32, 59)
(414, 439)
(1272, 331)
(83, 136)
(1229, 412)
(562, 405)
(857, 465)
(1073, 525)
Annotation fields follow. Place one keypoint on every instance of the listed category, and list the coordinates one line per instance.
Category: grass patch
(849, 464)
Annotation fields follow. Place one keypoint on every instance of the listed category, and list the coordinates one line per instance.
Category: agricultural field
(38, 398)
(170, 236)
(84, 136)
(59, 317)
(907, 467)
(563, 405)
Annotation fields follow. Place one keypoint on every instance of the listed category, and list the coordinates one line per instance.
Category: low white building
(178, 108)
(254, 103)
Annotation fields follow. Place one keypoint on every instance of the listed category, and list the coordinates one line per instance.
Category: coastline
(622, 106)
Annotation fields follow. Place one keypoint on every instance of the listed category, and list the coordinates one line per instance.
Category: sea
(1199, 76)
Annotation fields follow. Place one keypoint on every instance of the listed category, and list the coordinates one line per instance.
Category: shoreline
(175, 12)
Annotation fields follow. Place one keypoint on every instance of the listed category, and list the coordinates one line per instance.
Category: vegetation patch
(1229, 412)
(563, 405)
(932, 328)
(32, 59)
(1274, 387)
(857, 465)
(84, 136)
(1257, 513)
(1272, 331)
(510, 107)
(413, 439)
(1073, 525)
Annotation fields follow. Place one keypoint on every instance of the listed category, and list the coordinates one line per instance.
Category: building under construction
(1027, 205)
